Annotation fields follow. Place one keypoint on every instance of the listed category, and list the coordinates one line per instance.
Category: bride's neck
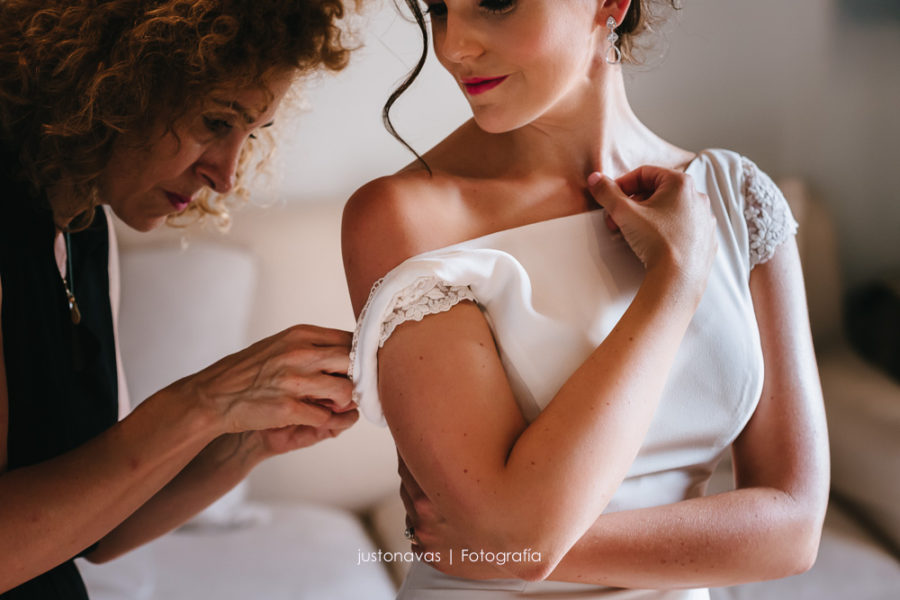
(593, 128)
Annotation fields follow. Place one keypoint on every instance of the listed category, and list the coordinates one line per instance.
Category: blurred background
(808, 89)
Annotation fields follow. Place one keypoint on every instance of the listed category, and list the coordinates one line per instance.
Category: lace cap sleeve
(424, 296)
(427, 296)
(424, 285)
(766, 211)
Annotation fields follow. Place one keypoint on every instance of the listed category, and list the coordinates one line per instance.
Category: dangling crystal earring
(613, 54)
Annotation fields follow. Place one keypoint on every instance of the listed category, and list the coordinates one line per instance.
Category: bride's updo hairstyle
(642, 16)
(75, 75)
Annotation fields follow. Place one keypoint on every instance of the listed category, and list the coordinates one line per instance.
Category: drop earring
(613, 55)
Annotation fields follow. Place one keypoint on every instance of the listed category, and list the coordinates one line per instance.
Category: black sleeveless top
(61, 378)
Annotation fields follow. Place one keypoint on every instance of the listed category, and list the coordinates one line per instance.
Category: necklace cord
(70, 276)
(69, 283)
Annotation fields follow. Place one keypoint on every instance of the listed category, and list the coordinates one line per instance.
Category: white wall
(793, 85)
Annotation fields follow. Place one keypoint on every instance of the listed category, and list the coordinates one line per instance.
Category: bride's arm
(767, 528)
(770, 526)
(503, 484)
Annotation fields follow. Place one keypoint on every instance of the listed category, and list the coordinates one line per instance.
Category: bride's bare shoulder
(413, 211)
(393, 218)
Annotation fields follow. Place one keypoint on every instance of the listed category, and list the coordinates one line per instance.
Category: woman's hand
(667, 223)
(293, 437)
(435, 537)
(295, 378)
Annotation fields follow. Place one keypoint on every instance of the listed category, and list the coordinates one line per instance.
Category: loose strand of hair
(407, 82)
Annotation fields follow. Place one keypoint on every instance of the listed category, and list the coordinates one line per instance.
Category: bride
(561, 380)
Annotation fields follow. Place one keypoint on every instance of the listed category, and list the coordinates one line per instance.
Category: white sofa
(296, 528)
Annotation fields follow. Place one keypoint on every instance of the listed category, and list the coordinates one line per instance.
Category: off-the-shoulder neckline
(593, 212)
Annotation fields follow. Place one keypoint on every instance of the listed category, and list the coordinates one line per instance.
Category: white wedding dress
(551, 292)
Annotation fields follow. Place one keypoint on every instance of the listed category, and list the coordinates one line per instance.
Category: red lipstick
(178, 201)
(480, 85)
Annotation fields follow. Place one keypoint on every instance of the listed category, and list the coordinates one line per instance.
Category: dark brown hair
(77, 74)
(642, 16)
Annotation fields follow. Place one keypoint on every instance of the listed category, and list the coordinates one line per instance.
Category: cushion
(130, 577)
(181, 310)
(298, 278)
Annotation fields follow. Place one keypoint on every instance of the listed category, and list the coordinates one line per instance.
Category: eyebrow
(245, 114)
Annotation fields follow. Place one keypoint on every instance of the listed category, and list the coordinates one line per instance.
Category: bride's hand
(297, 377)
(436, 540)
(667, 223)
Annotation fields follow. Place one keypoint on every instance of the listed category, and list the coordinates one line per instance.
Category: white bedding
(301, 552)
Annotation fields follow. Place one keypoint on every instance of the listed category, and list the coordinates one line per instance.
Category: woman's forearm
(595, 424)
(217, 469)
(749, 534)
(53, 510)
(599, 418)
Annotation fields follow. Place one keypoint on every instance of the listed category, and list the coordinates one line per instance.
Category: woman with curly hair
(138, 106)
(561, 381)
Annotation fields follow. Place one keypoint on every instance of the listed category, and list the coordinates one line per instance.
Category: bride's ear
(617, 9)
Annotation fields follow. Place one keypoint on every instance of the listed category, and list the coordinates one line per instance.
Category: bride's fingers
(605, 191)
(611, 224)
(644, 180)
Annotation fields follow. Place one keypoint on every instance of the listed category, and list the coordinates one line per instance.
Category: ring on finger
(410, 534)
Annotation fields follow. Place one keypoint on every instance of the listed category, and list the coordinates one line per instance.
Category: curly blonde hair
(75, 75)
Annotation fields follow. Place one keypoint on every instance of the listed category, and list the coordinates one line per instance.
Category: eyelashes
(220, 127)
(438, 10)
(217, 126)
(498, 6)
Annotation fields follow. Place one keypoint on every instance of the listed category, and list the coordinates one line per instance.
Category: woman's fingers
(317, 372)
(279, 440)
(606, 193)
(610, 223)
(316, 359)
(410, 492)
(317, 336)
(304, 413)
(332, 391)
(663, 218)
(341, 421)
(408, 487)
(317, 423)
(295, 377)
(408, 505)
(645, 180)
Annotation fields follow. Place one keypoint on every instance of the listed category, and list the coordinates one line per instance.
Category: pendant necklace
(69, 283)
